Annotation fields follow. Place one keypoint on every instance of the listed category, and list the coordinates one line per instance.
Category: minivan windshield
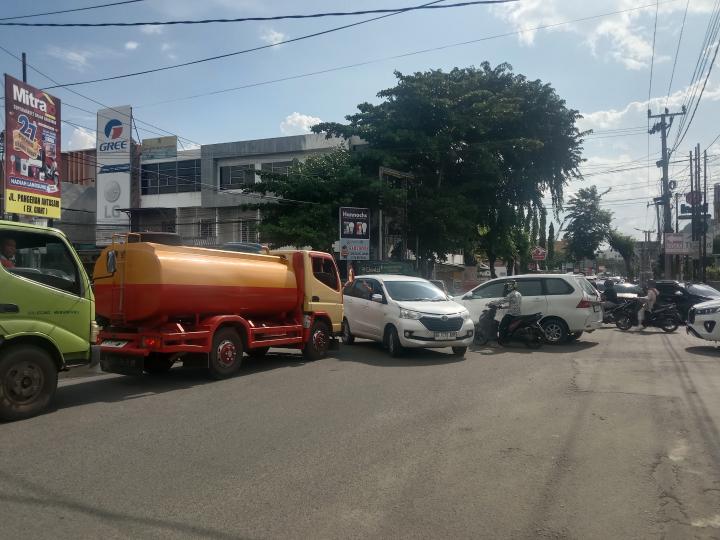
(414, 291)
(704, 290)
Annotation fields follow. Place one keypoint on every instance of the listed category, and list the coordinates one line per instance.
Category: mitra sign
(32, 151)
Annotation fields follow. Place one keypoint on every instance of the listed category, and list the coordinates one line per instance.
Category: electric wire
(86, 8)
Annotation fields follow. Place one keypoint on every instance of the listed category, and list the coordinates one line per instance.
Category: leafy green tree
(625, 246)
(542, 242)
(587, 225)
(482, 143)
(551, 246)
(310, 195)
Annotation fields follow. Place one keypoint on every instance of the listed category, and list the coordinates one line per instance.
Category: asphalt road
(617, 436)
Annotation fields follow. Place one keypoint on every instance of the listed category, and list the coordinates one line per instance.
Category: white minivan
(569, 303)
(404, 311)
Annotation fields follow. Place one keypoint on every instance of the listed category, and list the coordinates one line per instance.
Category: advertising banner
(159, 148)
(32, 151)
(114, 144)
(675, 244)
(354, 234)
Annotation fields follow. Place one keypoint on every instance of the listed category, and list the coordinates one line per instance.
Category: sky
(601, 66)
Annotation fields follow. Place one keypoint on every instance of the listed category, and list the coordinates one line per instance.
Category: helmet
(609, 283)
(510, 286)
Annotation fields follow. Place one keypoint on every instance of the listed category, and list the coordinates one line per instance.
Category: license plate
(445, 335)
(596, 308)
(114, 343)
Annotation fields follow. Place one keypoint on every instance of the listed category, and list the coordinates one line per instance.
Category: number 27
(26, 127)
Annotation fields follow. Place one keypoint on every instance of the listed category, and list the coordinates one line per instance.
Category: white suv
(404, 311)
(569, 303)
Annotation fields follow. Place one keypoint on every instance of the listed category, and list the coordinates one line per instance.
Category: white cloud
(131, 45)
(167, 48)
(272, 37)
(76, 59)
(81, 138)
(152, 30)
(298, 124)
(625, 38)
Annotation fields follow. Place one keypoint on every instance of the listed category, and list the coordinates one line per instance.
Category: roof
(391, 277)
(29, 226)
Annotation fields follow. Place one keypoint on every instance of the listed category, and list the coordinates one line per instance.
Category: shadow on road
(123, 388)
(710, 351)
(373, 354)
(518, 348)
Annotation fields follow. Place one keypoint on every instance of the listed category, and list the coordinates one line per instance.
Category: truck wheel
(318, 342)
(28, 380)
(347, 337)
(157, 364)
(259, 352)
(226, 354)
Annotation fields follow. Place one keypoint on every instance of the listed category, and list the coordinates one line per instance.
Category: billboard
(32, 150)
(675, 244)
(159, 148)
(354, 234)
(114, 143)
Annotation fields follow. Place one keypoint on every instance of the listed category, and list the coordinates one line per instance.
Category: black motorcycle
(611, 312)
(525, 328)
(665, 317)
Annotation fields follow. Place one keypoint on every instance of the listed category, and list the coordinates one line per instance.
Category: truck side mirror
(111, 262)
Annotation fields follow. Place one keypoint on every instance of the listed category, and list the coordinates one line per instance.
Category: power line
(69, 10)
(244, 51)
(395, 57)
(677, 51)
(652, 60)
(261, 19)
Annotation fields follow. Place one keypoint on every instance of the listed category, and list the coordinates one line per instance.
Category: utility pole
(704, 217)
(663, 126)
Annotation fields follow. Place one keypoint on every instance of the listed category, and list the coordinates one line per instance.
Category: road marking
(679, 452)
(713, 522)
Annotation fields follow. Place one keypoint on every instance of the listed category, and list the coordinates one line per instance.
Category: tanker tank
(155, 282)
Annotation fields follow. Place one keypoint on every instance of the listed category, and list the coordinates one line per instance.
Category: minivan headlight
(408, 314)
(465, 315)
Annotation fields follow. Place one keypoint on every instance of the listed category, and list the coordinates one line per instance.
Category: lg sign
(113, 131)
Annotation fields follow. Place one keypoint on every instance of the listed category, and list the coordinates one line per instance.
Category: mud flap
(123, 365)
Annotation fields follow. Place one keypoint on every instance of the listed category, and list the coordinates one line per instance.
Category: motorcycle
(665, 317)
(525, 328)
(610, 313)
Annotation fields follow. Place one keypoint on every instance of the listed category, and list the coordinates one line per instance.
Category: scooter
(665, 317)
(525, 328)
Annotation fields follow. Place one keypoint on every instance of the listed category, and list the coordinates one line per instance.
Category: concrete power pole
(663, 126)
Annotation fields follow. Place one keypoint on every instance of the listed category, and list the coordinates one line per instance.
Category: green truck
(47, 316)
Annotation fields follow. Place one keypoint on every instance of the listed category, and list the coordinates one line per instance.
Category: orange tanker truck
(160, 304)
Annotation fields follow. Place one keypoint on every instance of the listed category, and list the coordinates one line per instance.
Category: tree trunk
(510, 266)
(491, 261)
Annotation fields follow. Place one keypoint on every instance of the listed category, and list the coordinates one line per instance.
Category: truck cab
(47, 316)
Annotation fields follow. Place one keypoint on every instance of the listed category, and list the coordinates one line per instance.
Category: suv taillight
(584, 304)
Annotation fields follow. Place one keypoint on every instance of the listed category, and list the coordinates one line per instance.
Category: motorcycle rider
(651, 299)
(610, 293)
(514, 302)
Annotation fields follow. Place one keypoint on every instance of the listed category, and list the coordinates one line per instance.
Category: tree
(551, 246)
(543, 238)
(310, 197)
(587, 224)
(625, 246)
(482, 144)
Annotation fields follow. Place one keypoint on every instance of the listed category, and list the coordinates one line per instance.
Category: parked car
(628, 290)
(569, 304)
(404, 311)
(684, 295)
(703, 320)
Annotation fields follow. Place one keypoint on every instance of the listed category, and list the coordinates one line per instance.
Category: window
(419, 291)
(586, 286)
(349, 289)
(237, 176)
(44, 259)
(277, 167)
(325, 272)
(247, 230)
(170, 177)
(206, 228)
(530, 287)
(168, 226)
(557, 286)
(495, 289)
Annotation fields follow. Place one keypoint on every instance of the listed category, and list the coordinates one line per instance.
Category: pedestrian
(8, 249)
(514, 300)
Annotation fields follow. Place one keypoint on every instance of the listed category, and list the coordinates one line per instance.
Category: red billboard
(32, 150)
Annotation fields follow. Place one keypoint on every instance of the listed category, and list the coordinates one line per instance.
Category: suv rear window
(557, 286)
(586, 287)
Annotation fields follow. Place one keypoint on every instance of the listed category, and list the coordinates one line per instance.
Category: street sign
(675, 244)
(538, 253)
(694, 197)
